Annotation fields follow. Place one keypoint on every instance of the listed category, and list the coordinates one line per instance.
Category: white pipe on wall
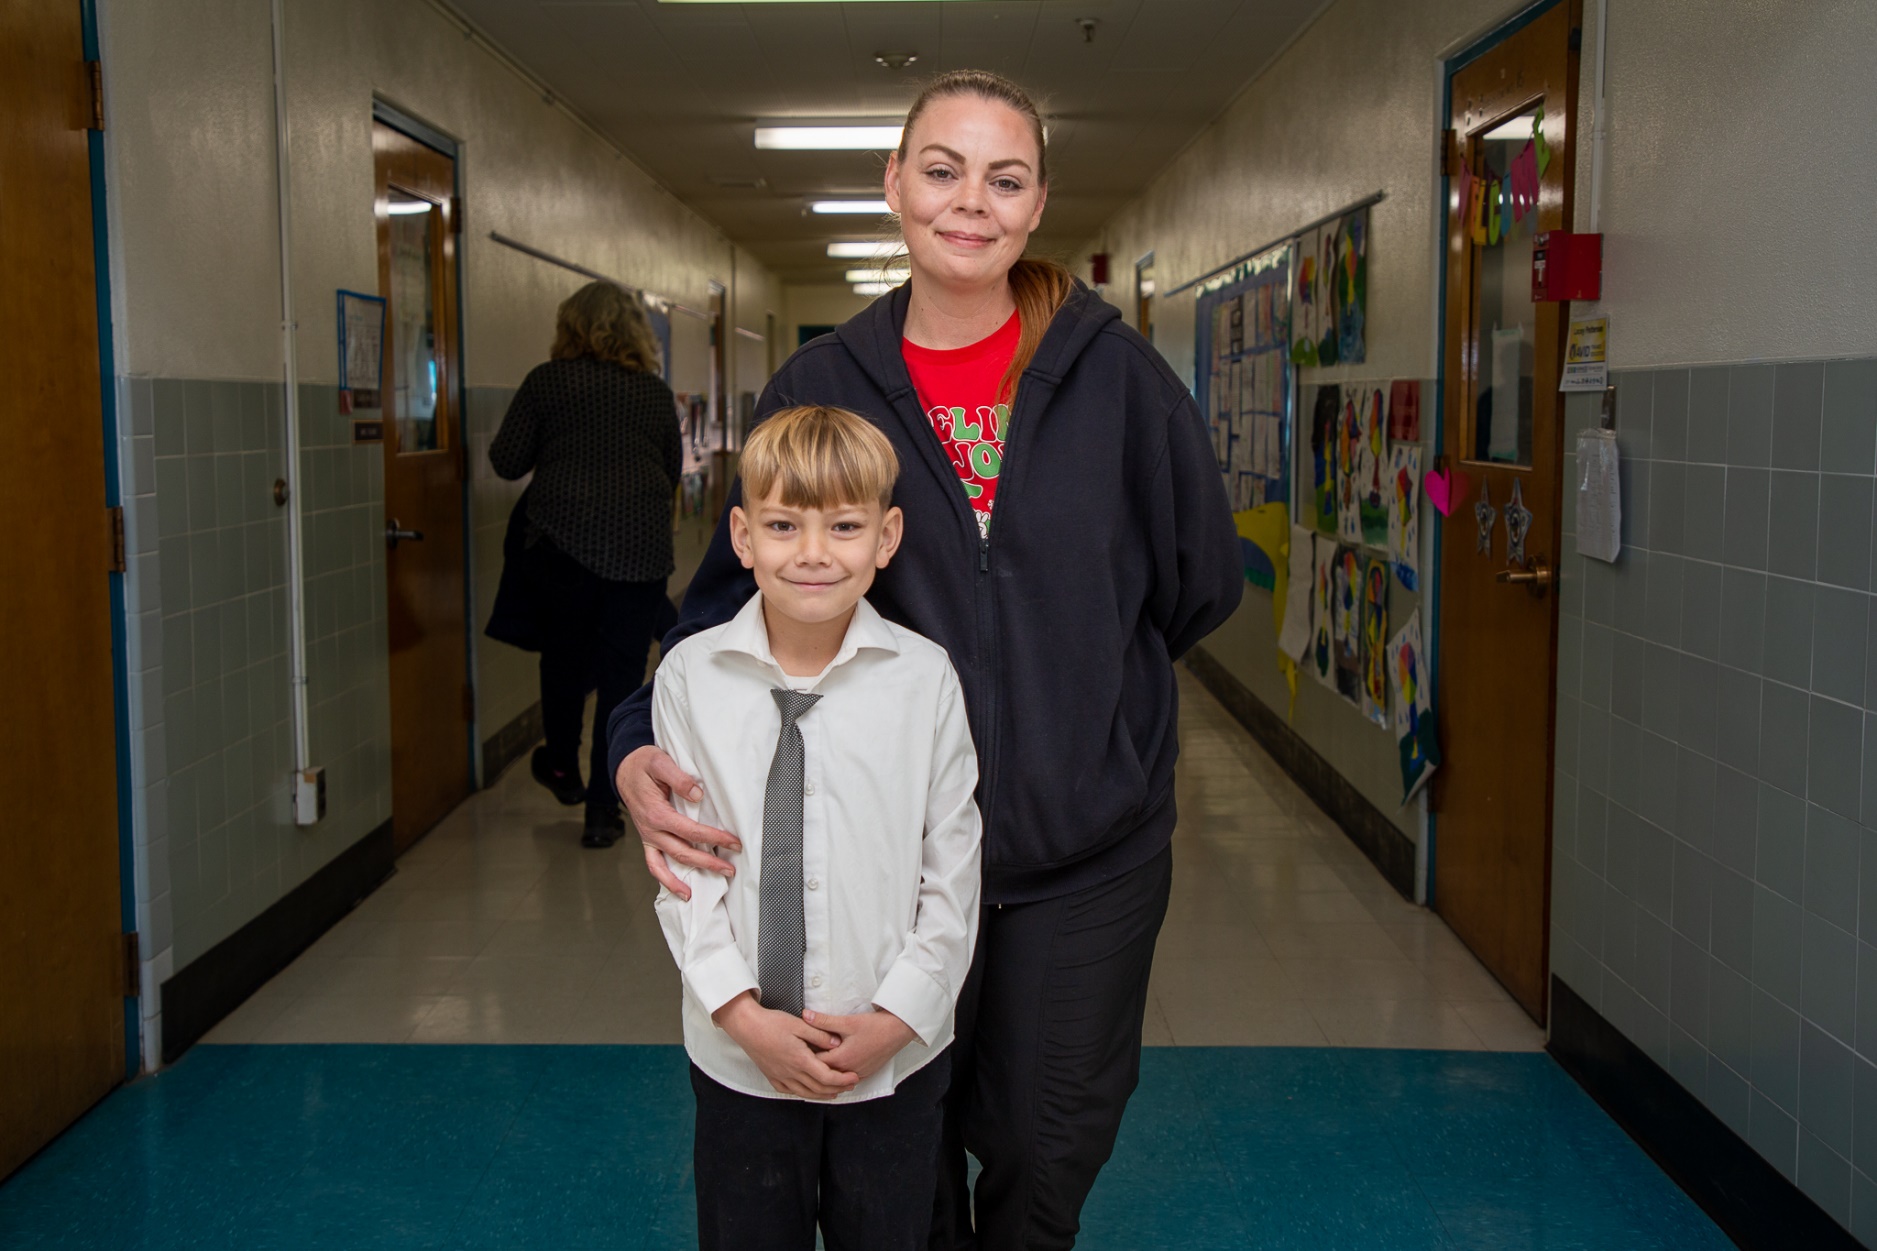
(1598, 117)
(296, 522)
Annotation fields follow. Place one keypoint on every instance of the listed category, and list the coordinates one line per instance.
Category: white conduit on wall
(1598, 123)
(296, 530)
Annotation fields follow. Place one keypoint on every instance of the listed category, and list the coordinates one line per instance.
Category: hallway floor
(1317, 1073)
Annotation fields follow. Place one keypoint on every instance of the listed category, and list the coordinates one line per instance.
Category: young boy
(820, 979)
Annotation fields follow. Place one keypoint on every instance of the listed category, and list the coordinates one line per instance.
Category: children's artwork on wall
(1294, 638)
(1374, 640)
(1349, 443)
(1242, 364)
(1416, 743)
(1322, 659)
(1347, 626)
(1518, 524)
(1404, 513)
(1372, 469)
(1324, 425)
(1350, 279)
(1404, 410)
(1484, 513)
(1307, 300)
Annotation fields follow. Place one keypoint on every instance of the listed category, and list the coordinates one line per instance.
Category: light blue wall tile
(1704, 501)
(1728, 1096)
(225, 416)
(1653, 962)
(1829, 998)
(1730, 1019)
(1776, 1052)
(1867, 810)
(1844, 530)
(1707, 415)
(1599, 592)
(1779, 860)
(1749, 414)
(1668, 415)
(1662, 600)
(1743, 619)
(1731, 927)
(1736, 819)
(1834, 763)
(1598, 661)
(1867, 907)
(1737, 739)
(1827, 1088)
(1849, 403)
(1693, 904)
(1570, 656)
(1824, 1175)
(1696, 779)
(1657, 790)
(1568, 734)
(1688, 997)
(1701, 609)
(1668, 505)
(1792, 541)
(1659, 681)
(1655, 870)
(1631, 590)
(1697, 702)
(166, 401)
(1864, 1114)
(1634, 492)
(1744, 534)
(1832, 845)
(1628, 663)
(1784, 720)
(1840, 631)
(1634, 392)
(1778, 944)
(198, 419)
(1591, 834)
(1798, 411)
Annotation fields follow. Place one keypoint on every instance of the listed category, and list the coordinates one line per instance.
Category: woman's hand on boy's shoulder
(867, 1040)
(787, 1049)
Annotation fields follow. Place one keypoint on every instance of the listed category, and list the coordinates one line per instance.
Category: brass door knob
(1534, 579)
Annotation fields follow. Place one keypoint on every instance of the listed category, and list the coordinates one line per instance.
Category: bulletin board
(1242, 376)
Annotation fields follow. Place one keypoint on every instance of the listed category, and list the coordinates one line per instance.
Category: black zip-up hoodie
(1111, 552)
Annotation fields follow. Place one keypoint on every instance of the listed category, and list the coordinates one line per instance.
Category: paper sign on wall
(1599, 495)
(1294, 639)
(1587, 355)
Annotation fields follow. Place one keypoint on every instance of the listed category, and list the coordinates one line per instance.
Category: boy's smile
(812, 565)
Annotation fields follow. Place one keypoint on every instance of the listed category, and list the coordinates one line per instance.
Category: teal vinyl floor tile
(362, 1147)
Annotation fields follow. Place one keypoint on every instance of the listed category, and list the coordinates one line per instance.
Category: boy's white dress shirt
(890, 833)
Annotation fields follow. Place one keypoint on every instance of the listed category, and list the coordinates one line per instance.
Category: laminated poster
(1346, 626)
(1404, 513)
(1374, 640)
(1372, 469)
(1322, 659)
(1324, 424)
(1294, 639)
(1349, 445)
(1416, 744)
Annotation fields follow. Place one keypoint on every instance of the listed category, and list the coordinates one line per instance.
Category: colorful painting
(1372, 469)
(1404, 410)
(1346, 611)
(1324, 424)
(1350, 280)
(1374, 640)
(1404, 513)
(1416, 743)
(1349, 444)
(1307, 299)
(1322, 657)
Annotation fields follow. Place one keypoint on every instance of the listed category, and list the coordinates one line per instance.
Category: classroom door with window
(63, 962)
(1502, 427)
(431, 698)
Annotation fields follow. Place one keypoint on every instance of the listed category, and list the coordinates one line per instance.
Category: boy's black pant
(767, 1168)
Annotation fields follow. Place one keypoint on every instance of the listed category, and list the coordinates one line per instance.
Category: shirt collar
(748, 634)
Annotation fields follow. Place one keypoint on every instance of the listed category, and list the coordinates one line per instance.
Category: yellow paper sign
(1586, 355)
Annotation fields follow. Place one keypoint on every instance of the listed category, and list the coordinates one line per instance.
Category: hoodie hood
(873, 337)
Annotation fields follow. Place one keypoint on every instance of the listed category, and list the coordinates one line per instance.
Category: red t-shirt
(958, 390)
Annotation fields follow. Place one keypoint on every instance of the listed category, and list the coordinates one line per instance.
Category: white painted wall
(816, 305)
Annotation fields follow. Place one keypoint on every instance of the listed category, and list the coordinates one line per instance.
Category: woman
(1063, 570)
(599, 428)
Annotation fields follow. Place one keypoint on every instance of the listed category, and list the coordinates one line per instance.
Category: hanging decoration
(1518, 524)
(1484, 513)
(1490, 203)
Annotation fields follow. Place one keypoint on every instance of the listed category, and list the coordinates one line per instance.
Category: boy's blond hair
(819, 457)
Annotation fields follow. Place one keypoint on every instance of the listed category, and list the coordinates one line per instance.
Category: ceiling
(681, 86)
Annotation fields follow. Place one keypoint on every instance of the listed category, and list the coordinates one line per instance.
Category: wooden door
(61, 943)
(1502, 426)
(423, 456)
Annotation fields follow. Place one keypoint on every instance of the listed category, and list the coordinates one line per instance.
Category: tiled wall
(1715, 860)
(210, 701)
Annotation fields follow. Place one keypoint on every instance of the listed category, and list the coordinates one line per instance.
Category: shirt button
(815, 980)
(808, 788)
(814, 883)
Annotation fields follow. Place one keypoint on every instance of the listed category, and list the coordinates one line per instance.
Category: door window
(416, 226)
(1504, 319)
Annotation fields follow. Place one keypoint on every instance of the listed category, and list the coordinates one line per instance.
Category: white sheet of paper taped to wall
(1599, 499)
(1294, 639)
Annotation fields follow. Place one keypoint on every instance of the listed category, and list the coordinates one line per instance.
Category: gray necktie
(781, 934)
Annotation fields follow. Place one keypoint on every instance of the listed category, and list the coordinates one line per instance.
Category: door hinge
(119, 563)
(94, 71)
(1450, 154)
(133, 966)
(469, 702)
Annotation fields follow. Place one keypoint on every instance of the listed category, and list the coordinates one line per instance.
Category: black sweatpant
(595, 632)
(1048, 1052)
(768, 1169)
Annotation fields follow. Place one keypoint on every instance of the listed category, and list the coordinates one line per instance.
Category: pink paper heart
(1447, 489)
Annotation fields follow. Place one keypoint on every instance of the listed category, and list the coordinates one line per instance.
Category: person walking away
(820, 980)
(598, 428)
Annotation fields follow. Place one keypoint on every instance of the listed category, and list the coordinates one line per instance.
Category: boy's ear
(739, 537)
(892, 529)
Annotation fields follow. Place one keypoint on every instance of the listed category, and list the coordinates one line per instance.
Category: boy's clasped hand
(817, 1055)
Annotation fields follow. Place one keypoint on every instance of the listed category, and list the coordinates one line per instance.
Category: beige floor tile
(1313, 908)
(643, 1020)
(414, 938)
(1321, 978)
(1195, 984)
(567, 975)
(1155, 1032)
(1183, 938)
(578, 936)
(1461, 979)
(1502, 1026)
(292, 981)
(1394, 1023)
(249, 1022)
(1244, 1023)
(1363, 940)
(381, 976)
(496, 1017)
(359, 1019)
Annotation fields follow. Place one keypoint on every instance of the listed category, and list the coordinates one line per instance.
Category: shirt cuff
(720, 977)
(911, 994)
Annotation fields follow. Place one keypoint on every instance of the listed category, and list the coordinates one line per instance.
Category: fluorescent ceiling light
(866, 250)
(775, 1)
(829, 138)
(894, 276)
(403, 208)
(876, 207)
(1517, 128)
(873, 288)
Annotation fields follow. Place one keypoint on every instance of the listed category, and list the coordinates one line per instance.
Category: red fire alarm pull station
(1566, 266)
(1098, 268)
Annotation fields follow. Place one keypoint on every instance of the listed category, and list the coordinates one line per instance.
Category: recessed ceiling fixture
(894, 276)
(829, 138)
(895, 60)
(866, 250)
(405, 208)
(873, 288)
(875, 207)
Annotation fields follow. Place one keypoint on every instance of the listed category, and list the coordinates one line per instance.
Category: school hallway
(486, 1053)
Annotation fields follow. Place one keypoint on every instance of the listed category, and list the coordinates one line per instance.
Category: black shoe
(564, 783)
(603, 829)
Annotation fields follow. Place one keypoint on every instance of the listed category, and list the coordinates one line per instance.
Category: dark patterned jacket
(604, 446)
